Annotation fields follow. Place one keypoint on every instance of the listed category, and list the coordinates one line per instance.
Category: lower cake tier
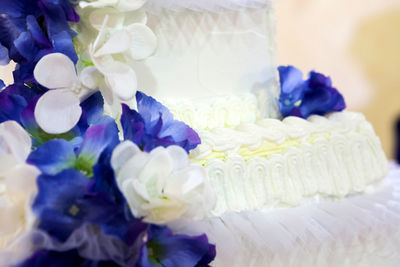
(275, 163)
(357, 231)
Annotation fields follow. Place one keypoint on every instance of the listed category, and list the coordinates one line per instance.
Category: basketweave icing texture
(209, 5)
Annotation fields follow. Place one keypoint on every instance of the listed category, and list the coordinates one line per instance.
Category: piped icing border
(283, 163)
(201, 5)
(229, 111)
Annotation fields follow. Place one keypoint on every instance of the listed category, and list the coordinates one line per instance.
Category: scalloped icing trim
(284, 163)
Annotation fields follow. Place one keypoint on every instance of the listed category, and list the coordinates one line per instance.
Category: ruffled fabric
(205, 5)
(91, 244)
(361, 230)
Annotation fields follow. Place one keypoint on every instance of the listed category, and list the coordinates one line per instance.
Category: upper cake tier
(207, 62)
(209, 5)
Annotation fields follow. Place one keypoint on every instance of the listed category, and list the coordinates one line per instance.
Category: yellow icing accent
(264, 150)
(267, 148)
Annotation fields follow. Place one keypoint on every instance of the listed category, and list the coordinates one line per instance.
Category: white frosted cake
(157, 133)
(286, 189)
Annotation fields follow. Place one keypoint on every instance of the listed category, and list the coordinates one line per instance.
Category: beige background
(356, 42)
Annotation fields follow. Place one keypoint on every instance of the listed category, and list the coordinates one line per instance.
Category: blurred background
(356, 42)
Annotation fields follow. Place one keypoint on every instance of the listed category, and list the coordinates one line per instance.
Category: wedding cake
(163, 133)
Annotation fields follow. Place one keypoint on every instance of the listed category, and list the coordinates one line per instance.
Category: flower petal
(16, 139)
(181, 158)
(62, 156)
(4, 59)
(90, 77)
(122, 80)
(58, 111)
(97, 139)
(130, 5)
(55, 71)
(22, 179)
(143, 41)
(97, 4)
(114, 18)
(122, 153)
(118, 42)
(136, 16)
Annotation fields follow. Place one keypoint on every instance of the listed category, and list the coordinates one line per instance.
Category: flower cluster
(88, 178)
(30, 29)
(315, 96)
(77, 187)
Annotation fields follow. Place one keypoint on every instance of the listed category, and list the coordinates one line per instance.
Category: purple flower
(163, 248)
(69, 258)
(305, 98)
(153, 125)
(30, 29)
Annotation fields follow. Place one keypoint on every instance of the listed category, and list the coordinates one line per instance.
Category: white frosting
(358, 231)
(209, 5)
(216, 112)
(274, 163)
(205, 55)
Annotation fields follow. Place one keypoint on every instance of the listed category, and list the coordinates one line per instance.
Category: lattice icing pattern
(358, 231)
(205, 55)
(276, 163)
(202, 5)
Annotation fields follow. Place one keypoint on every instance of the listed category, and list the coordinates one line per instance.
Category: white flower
(17, 183)
(58, 110)
(115, 49)
(162, 186)
(123, 5)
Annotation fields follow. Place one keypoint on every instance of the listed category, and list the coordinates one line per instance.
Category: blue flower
(60, 204)
(80, 154)
(13, 100)
(163, 248)
(121, 222)
(153, 125)
(4, 59)
(65, 203)
(68, 258)
(315, 96)
(79, 200)
(30, 29)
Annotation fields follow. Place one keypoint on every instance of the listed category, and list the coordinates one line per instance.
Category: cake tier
(203, 56)
(358, 231)
(209, 5)
(284, 163)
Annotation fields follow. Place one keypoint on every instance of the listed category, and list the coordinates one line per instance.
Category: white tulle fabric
(209, 5)
(88, 239)
(358, 231)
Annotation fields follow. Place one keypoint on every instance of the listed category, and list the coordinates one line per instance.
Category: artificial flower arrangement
(92, 170)
(80, 187)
